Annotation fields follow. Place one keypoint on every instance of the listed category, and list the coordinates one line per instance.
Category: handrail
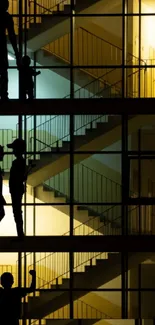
(90, 312)
(117, 82)
(46, 9)
(66, 135)
(119, 48)
(104, 315)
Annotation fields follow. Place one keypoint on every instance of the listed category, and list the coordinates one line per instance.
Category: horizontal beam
(78, 106)
(139, 243)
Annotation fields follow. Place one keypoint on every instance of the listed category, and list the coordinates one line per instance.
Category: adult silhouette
(6, 24)
(17, 180)
(2, 200)
(10, 298)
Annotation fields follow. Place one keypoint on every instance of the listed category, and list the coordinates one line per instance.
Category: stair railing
(82, 310)
(118, 86)
(54, 268)
(89, 50)
(49, 8)
(90, 186)
(54, 130)
(90, 312)
(6, 136)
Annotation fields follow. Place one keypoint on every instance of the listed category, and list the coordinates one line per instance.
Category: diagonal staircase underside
(103, 136)
(55, 23)
(104, 271)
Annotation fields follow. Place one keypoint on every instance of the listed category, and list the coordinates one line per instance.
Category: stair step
(67, 9)
(65, 145)
(114, 256)
(54, 286)
(82, 208)
(101, 261)
(65, 283)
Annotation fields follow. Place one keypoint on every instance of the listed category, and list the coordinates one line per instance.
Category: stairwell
(53, 25)
(97, 267)
(89, 49)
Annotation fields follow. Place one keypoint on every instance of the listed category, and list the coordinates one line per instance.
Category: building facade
(90, 149)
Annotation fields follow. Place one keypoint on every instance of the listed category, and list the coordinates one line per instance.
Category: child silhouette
(10, 298)
(26, 74)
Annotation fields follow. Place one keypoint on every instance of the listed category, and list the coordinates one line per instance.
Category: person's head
(7, 280)
(26, 61)
(1, 153)
(4, 5)
(18, 146)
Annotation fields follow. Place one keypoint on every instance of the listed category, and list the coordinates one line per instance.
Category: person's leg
(4, 84)
(30, 93)
(17, 211)
(23, 93)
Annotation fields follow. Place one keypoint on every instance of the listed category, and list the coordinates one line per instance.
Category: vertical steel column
(20, 36)
(34, 229)
(124, 47)
(25, 200)
(139, 81)
(125, 174)
(71, 254)
(19, 270)
(139, 179)
(20, 7)
(25, 27)
(139, 291)
(34, 60)
(20, 126)
(72, 27)
(124, 269)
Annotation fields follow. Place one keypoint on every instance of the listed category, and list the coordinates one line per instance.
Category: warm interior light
(148, 26)
(5, 190)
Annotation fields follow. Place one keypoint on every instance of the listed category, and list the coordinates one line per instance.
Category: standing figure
(27, 73)
(10, 298)
(2, 200)
(17, 182)
(6, 23)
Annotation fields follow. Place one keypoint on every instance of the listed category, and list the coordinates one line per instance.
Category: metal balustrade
(51, 131)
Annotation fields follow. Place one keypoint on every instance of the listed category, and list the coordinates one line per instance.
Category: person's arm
(23, 292)
(33, 282)
(35, 73)
(12, 37)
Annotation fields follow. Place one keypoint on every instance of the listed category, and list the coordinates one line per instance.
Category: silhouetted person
(2, 200)
(10, 298)
(27, 73)
(17, 180)
(6, 24)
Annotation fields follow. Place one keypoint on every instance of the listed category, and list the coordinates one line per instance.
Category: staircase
(101, 267)
(89, 132)
(91, 50)
(53, 25)
(91, 188)
(83, 312)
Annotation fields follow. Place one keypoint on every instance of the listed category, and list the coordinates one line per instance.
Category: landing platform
(78, 106)
(140, 243)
